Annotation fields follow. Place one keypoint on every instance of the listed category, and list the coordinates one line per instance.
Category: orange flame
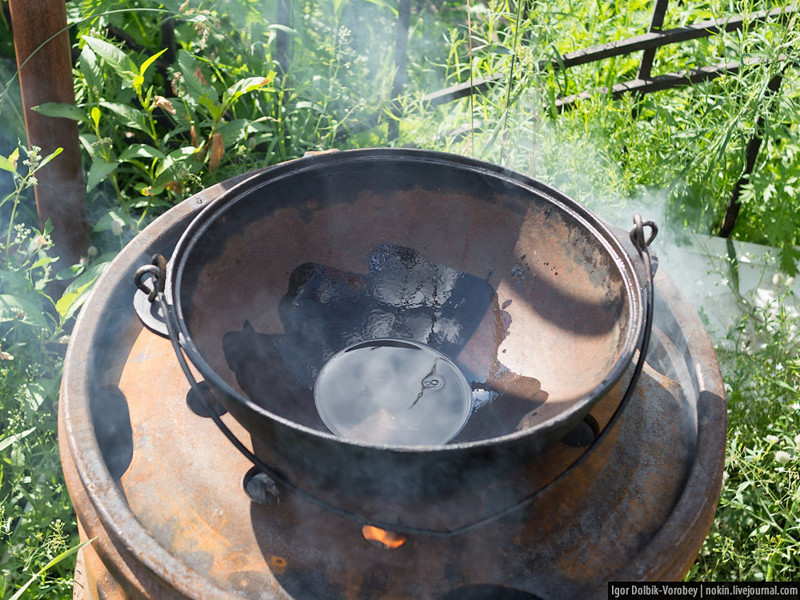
(381, 537)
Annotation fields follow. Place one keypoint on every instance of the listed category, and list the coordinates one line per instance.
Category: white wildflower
(797, 440)
(116, 228)
(772, 439)
(777, 278)
(40, 241)
(782, 457)
(789, 281)
(725, 477)
(91, 251)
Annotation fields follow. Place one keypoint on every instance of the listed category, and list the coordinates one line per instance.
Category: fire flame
(380, 537)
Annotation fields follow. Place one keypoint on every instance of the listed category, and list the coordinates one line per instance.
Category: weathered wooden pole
(656, 23)
(751, 155)
(284, 18)
(400, 63)
(44, 61)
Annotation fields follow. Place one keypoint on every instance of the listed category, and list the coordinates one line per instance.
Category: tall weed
(36, 520)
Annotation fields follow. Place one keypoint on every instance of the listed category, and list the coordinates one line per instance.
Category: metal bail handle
(157, 271)
(641, 243)
(637, 233)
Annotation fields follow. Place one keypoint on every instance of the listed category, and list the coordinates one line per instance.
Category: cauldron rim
(549, 430)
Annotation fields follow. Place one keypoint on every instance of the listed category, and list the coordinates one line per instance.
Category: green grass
(152, 137)
(756, 533)
(36, 519)
(688, 142)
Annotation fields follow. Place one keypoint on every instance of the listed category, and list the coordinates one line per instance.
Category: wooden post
(656, 23)
(45, 75)
(751, 155)
(284, 17)
(400, 62)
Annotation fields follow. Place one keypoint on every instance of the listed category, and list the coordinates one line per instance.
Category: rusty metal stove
(628, 495)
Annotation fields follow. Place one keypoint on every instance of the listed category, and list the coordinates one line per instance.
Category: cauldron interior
(557, 310)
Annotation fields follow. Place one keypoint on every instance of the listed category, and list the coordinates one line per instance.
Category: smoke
(594, 164)
(356, 75)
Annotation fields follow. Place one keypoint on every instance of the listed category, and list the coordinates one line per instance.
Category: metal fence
(43, 23)
(644, 83)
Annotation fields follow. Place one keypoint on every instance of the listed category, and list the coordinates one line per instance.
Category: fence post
(656, 23)
(42, 46)
(400, 61)
(284, 17)
(751, 154)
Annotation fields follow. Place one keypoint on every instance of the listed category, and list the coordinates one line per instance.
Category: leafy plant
(756, 533)
(154, 162)
(63, 556)
(32, 341)
(689, 141)
(768, 215)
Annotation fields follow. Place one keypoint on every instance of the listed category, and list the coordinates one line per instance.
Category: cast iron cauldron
(536, 300)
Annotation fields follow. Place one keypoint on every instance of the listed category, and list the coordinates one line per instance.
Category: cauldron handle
(642, 244)
(631, 246)
(157, 271)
